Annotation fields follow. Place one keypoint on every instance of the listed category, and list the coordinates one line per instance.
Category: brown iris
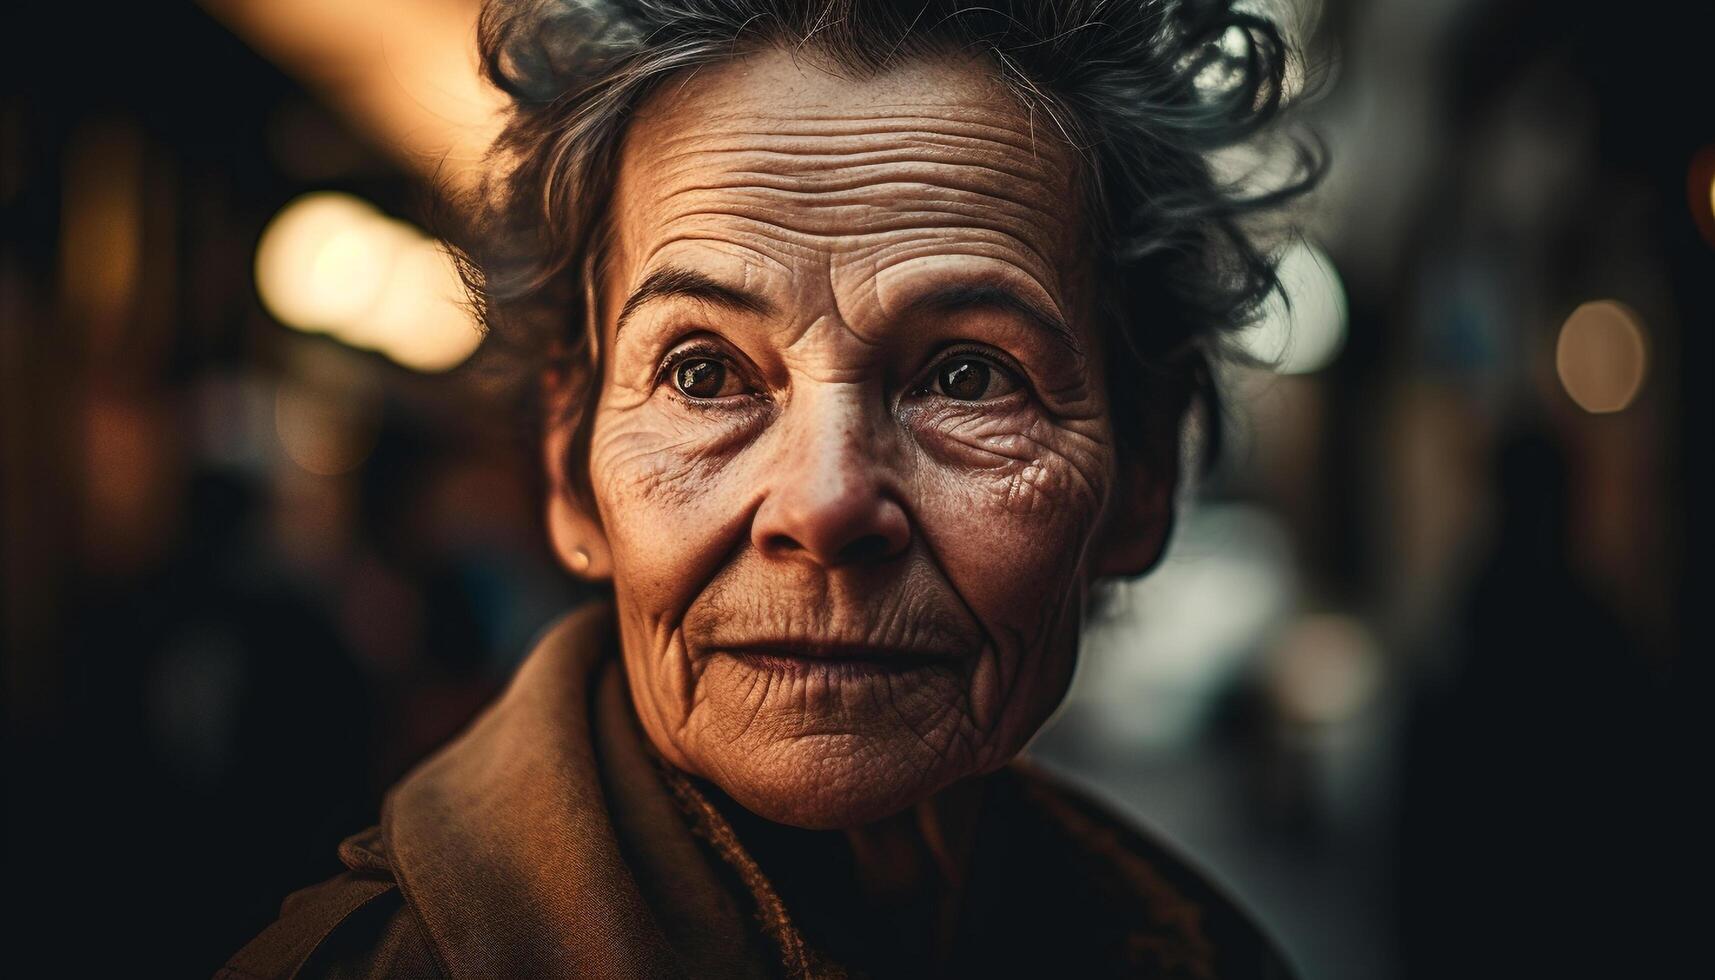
(964, 378)
(700, 377)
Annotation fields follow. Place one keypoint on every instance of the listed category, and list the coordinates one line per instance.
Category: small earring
(580, 560)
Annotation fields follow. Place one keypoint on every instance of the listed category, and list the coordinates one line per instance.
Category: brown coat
(549, 841)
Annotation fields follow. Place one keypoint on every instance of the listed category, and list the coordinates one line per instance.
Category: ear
(576, 533)
(1139, 518)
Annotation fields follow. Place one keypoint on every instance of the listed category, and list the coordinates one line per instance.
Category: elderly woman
(863, 333)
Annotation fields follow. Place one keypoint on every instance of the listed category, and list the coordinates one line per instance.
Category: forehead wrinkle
(736, 215)
(888, 262)
(791, 134)
(746, 250)
(971, 180)
(880, 251)
(728, 164)
(820, 221)
(702, 148)
(996, 175)
(839, 167)
(826, 200)
(689, 130)
(860, 201)
(881, 256)
(853, 206)
(812, 118)
(927, 80)
(766, 93)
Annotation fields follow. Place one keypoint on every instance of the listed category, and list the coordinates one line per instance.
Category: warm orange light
(322, 261)
(331, 263)
(423, 320)
(404, 71)
(101, 232)
(1700, 191)
(1601, 356)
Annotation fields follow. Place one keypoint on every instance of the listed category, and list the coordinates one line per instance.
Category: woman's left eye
(966, 377)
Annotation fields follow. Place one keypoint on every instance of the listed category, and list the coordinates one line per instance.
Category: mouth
(837, 660)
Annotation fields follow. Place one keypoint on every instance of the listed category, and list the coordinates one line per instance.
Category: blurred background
(1416, 680)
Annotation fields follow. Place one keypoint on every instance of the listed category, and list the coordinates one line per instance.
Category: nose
(831, 495)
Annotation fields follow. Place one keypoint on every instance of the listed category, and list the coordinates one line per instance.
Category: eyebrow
(676, 280)
(970, 296)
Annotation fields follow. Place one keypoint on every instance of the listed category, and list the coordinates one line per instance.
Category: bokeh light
(329, 422)
(1601, 356)
(422, 319)
(316, 266)
(1169, 643)
(1700, 191)
(1302, 326)
(1323, 669)
(332, 263)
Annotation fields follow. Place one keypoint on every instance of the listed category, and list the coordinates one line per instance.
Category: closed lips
(893, 658)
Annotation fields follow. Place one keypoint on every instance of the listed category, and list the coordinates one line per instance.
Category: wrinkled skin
(826, 486)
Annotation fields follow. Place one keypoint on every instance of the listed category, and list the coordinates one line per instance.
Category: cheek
(667, 503)
(1010, 504)
(669, 508)
(1011, 535)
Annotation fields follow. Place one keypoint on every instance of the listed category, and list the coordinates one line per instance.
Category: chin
(826, 748)
(834, 781)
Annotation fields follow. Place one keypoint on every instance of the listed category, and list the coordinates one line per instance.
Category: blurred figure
(1534, 799)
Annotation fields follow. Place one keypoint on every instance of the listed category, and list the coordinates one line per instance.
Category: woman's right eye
(701, 377)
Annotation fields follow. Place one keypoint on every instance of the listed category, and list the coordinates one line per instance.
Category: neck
(889, 892)
(925, 848)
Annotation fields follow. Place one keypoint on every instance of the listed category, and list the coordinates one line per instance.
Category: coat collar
(541, 841)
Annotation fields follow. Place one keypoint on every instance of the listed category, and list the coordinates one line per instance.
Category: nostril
(832, 523)
(867, 548)
(780, 544)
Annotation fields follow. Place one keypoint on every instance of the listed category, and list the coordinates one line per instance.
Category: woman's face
(852, 444)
